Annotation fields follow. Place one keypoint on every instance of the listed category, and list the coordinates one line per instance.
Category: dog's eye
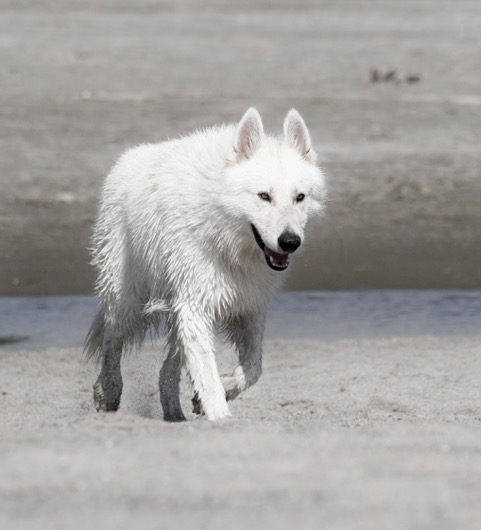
(300, 197)
(265, 196)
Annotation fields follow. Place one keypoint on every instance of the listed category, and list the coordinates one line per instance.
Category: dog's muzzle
(287, 241)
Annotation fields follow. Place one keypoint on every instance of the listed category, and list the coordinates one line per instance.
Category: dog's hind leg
(108, 387)
(246, 332)
(169, 380)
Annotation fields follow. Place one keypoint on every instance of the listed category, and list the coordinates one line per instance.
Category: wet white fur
(173, 244)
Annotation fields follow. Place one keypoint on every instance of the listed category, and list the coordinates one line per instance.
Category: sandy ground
(83, 81)
(376, 425)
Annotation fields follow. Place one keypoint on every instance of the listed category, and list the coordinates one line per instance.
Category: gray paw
(174, 417)
(102, 403)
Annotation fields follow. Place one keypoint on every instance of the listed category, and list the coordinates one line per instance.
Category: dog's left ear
(296, 135)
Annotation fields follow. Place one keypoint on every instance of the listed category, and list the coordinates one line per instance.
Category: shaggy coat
(193, 236)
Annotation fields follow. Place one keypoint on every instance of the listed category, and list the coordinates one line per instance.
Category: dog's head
(274, 185)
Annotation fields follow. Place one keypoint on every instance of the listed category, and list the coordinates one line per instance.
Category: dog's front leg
(247, 333)
(191, 334)
(169, 380)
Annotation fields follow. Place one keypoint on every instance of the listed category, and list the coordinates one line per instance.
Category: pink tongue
(279, 260)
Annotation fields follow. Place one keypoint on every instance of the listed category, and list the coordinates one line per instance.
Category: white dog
(193, 235)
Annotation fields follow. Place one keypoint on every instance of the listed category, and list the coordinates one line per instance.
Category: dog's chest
(241, 293)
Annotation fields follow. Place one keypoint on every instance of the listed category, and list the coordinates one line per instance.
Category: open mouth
(275, 260)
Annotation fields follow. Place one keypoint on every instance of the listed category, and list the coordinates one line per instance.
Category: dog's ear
(249, 135)
(296, 135)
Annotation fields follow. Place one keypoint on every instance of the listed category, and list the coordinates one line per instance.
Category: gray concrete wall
(81, 81)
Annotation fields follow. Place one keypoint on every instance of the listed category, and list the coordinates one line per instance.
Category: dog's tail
(95, 337)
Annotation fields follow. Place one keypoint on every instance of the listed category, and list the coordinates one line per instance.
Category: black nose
(288, 241)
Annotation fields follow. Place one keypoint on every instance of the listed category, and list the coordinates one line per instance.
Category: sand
(376, 425)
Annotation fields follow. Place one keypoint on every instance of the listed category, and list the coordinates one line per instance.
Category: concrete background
(81, 81)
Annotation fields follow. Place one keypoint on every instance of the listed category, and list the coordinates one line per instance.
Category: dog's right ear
(249, 134)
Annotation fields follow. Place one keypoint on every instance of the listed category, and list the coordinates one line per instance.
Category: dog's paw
(218, 413)
(102, 403)
(212, 409)
(231, 387)
(174, 417)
